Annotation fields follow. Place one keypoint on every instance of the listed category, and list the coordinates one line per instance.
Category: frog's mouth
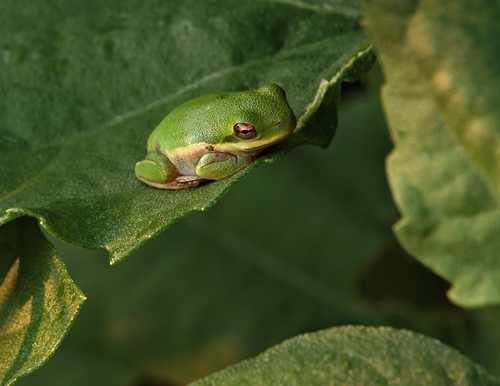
(251, 147)
(237, 149)
(254, 150)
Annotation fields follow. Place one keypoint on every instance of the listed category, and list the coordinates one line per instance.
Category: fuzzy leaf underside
(355, 356)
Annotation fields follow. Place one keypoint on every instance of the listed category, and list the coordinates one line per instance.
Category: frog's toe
(156, 170)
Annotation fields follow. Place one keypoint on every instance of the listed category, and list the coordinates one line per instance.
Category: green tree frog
(214, 136)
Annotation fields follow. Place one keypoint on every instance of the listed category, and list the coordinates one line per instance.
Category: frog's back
(210, 120)
(199, 120)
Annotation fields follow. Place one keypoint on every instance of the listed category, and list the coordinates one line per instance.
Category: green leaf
(356, 356)
(442, 68)
(84, 83)
(38, 300)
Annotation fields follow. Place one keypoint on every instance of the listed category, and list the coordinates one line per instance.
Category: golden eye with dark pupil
(244, 130)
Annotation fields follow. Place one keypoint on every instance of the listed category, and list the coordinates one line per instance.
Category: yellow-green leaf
(38, 300)
(441, 62)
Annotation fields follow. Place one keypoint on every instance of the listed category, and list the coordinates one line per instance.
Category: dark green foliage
(297, 246)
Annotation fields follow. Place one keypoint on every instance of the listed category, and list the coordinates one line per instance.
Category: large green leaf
(38, 300)
(442, 66)
(84, 83)
(356, 356)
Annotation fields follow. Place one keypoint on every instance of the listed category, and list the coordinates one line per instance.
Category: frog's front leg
(156, 170)
(215, 166)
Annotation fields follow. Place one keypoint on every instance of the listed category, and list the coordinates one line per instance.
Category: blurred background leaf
(356, 356)
(441, 62)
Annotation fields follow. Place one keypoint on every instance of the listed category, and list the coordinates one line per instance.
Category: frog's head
(264, 119)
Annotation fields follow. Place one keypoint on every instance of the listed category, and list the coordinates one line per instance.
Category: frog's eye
(244, 130)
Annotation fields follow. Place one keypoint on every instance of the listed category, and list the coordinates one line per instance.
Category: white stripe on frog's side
(186, 158)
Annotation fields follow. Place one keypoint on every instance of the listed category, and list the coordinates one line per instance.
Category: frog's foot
(156, 170)
(215, 166)
(183, 182)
